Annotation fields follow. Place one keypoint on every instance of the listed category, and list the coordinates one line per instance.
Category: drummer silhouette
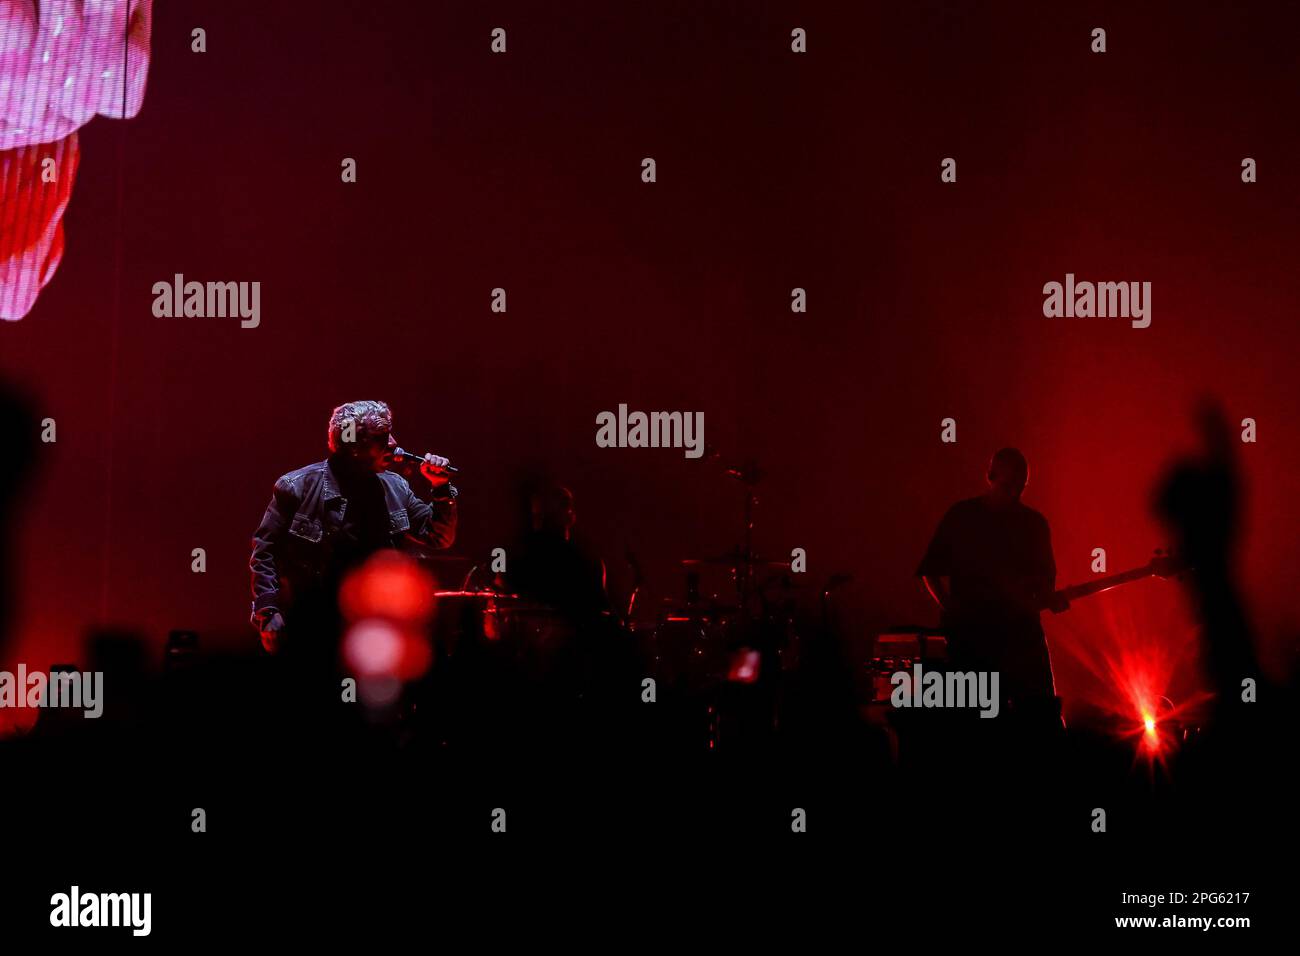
(550, 567)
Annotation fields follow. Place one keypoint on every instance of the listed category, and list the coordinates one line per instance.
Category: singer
(327, 517)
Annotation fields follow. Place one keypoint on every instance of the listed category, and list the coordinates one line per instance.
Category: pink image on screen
(62, 62)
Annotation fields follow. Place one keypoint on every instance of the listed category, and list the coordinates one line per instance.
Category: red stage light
(1135, 658)
(744, 666)
(390, 586)
(389, 602)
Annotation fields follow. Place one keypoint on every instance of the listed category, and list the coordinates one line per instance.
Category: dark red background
(775, 171)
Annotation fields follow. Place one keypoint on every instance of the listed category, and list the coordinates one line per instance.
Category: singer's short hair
(369, 419)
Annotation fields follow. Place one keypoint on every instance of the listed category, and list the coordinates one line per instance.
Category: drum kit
(730, 636)
(723, 649)
(529, 638)
(713, 636)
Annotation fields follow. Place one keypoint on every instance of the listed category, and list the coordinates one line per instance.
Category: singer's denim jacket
(293, 543)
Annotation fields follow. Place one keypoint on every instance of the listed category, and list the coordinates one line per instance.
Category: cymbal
(732, 560)
(494, 595)
(426, 554)
(699, 611)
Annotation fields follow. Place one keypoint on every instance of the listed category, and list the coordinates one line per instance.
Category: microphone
(403, 457)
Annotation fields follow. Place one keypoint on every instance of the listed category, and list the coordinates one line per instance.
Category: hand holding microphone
(435, 468)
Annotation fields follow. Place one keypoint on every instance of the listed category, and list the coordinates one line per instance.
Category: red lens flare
(1137, 657)
(389, 602)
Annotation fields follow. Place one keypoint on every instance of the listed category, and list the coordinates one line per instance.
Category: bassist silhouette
(990, 569)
